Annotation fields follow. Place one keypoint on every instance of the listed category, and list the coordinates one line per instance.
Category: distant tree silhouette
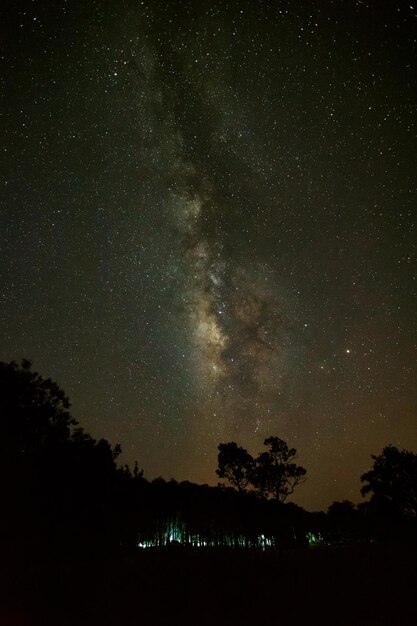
(200, 515)
(274, 474)
(235, 464)
(344, 523)
(392, 483)
(341, 509)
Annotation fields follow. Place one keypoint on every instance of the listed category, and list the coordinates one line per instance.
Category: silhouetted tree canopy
(235, 464)
(273, 473)
(56, 479)
(392, 482)
(341, 510)
(33, 412)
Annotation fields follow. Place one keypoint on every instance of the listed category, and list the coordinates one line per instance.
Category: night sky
(207, 225)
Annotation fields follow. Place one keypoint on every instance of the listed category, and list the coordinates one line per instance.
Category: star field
(208, 225)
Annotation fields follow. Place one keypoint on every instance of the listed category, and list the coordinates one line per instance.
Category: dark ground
(361, 585)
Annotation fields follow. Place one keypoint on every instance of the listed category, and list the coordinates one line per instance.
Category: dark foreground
(354, 586)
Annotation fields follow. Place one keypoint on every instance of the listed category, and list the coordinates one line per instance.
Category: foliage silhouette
(392, 483)
(345, 523)
(273, 473)
(58, 483)
(235, 464)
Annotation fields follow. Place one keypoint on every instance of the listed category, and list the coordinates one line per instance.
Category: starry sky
(207, 219)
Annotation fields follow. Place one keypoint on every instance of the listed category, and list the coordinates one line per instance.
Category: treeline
(64, 491)
(200, 515)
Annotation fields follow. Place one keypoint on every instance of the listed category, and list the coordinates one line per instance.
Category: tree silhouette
(57, 481)
(274, 474)
(33, 412)
(392, 482)
(235, 464)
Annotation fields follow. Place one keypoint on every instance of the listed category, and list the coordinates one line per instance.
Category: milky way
(208, 225)
(234, 309)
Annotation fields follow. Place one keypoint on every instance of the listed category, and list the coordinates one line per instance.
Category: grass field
(360, 585)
